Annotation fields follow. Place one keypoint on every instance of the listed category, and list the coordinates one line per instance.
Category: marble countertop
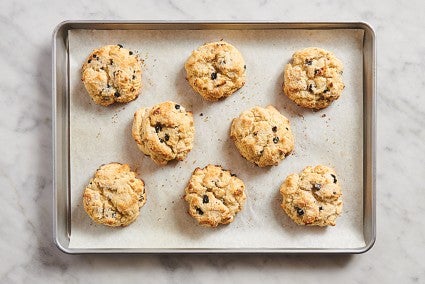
(26, 245)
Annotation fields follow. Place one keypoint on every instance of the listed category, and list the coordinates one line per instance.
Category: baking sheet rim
(369, 106)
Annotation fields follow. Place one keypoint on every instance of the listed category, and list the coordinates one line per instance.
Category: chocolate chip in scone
(117, 95)
(274, 128)
(334, 177)
(120, 45)
(134, 77)
(205, 199)
(320, 208)
(300, 212)
(213, 75)
(310, 87)
(130, 52)
(275, 140)
(88, 61)
(199, 211)
(244, 67)
(177, 106)
(316, 186)
(166, 137)
(308, 61)
(158, 127)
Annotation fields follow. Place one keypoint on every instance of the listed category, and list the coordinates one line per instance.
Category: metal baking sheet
(80, 127)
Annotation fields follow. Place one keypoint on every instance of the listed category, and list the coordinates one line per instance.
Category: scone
(262, 135)
(312, 197)
(216, 70)
(214, 196)
(164, 132)
(314, 78)
(114, 195)
(112, 74)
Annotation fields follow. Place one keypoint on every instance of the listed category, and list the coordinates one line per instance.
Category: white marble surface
(26, 247)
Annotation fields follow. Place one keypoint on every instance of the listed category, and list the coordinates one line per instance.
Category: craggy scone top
(215, 70)
(312, 197)
(314, 78)
(262, 135)
(214, 196)
(111, 74)
(164, 132)
(114, 195)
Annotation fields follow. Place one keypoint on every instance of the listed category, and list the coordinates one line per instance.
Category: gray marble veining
(26, 245)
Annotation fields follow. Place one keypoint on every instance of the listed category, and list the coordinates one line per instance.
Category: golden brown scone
(216, 70)
(112, 74)
(164, 132)
(214, 196)
(114, 195)
(314, 78)
(262, 135)
(312, 197)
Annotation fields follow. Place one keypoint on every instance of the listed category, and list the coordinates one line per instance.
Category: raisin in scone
(114, 195)
(164, 132)
(262, 135)
(214, 196)
(312, 197)
(216, 70)
(111, 74)
(314, 78)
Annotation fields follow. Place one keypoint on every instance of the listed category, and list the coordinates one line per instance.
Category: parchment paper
(332, 137)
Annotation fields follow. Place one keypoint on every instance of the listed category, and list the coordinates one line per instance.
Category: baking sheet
(332, 137)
